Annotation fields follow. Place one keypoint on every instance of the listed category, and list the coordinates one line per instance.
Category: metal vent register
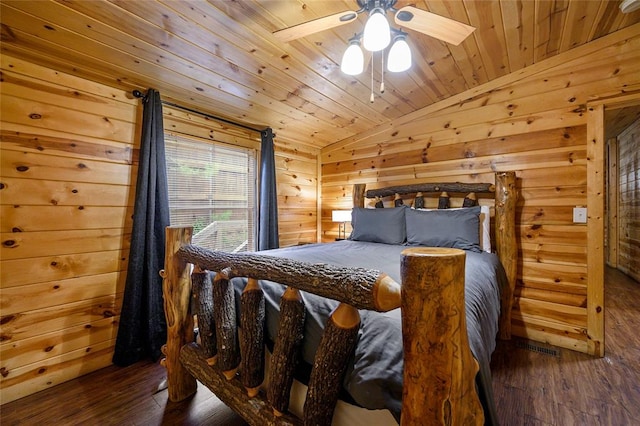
(539, 348)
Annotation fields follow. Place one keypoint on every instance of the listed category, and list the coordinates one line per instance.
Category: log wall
(69, 161)
(628, 252)
(534, 122)
(68, 166)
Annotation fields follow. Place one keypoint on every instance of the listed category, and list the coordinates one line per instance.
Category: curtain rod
(138, 94)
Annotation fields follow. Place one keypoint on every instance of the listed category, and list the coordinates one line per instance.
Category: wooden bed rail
(359, 287)
(433, 281)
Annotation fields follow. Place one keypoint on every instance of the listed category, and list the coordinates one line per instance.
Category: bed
(334, 309)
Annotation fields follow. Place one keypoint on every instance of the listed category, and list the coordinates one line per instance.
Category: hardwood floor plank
(576, 388)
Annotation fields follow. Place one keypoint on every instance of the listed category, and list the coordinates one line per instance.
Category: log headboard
(505, 195)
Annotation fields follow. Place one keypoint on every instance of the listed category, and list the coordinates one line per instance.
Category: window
(212, 187)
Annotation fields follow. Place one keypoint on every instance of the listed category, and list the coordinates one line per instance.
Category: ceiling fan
(445, 29)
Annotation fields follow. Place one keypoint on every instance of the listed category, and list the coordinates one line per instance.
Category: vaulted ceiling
(221, 57)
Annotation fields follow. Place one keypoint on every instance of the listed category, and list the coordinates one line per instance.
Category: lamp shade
(377, 33)
(341, 216)
(399, 55)
(352, 60)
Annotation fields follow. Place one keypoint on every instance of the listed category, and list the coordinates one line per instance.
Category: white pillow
(484, 232)
(485, 228)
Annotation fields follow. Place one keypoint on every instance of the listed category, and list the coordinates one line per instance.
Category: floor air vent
(538, 347)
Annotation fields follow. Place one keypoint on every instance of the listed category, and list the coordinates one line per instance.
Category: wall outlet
(579, 215)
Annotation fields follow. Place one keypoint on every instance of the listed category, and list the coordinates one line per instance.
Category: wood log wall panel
(446, 133)
(53, 319)
(554, 333)
(30, 350)
(68, 166)
(553, 253)
(16, 300)
(430, 151)
(20, 110)
(38, 376)
(42, 269)
(18, 138)
(48, 218)
(553, 277)
(25, 245)
(65, 193)
(50, 167)
(535, 123)
(629, 201)
(557, 157)
(547, 295)
(34, 90)
(297, 183)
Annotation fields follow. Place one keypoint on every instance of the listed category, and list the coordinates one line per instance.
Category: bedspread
(374, 377)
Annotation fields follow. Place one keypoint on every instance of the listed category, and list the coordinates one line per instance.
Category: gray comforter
(374, 379)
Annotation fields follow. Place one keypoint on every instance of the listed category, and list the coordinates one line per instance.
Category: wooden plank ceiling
(221, 56)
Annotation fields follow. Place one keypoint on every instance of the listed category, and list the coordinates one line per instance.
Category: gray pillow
(444, 228)
(378, 225)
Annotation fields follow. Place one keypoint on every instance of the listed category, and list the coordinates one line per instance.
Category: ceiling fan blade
(433, 25)
(315, 25)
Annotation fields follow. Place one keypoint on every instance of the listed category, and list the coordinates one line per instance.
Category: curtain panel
(142, 330)
(268, 207)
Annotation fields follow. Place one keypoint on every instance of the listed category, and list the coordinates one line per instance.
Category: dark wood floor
(575, 389)
(531, 388)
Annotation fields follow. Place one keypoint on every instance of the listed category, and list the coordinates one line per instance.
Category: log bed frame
(232, 366)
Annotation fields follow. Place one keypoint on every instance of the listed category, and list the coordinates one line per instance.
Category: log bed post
(176, 290)
(507, 250)
(358, 194)
(439, 369)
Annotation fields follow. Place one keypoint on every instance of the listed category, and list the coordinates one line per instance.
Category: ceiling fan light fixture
(352, 59)
(628, 6)
(399, 58)
(377, 33)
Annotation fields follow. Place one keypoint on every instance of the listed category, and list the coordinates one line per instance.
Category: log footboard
(438, 363)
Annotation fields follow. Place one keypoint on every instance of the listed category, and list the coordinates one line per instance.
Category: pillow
(485, 228)
(457, 228)
(378, 225)
(484, 231)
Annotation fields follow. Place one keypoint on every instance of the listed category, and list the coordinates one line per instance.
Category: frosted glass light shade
(352, 60)
(377, 33)
(341, 216)
(399, 56)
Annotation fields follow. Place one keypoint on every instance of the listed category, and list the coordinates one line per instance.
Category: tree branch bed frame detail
(437, 360)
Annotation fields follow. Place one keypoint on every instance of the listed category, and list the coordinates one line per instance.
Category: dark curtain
(268, 210)
(143, 330)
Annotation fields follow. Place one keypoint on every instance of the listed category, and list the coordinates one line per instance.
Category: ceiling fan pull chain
(382, 73)
(373, 56)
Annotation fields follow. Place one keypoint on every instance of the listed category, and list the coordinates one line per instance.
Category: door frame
(596, 175)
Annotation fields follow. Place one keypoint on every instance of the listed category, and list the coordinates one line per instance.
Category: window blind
(212, 187)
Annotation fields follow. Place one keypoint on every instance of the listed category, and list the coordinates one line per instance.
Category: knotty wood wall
(69, 162)
(533, 122)
(628, 252)
(67, 173)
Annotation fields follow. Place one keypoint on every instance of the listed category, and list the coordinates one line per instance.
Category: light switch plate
(579, 215)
